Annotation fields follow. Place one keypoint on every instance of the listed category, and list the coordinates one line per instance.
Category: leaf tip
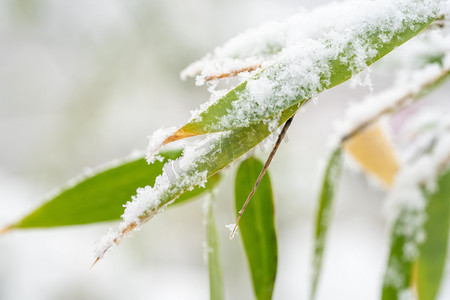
(178, 135)
(94, 263)
(5, 230)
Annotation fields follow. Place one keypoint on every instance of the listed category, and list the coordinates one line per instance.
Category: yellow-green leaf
(257, 227)
(216, 288)
(101, 197)
(433, 252)
(323, 218)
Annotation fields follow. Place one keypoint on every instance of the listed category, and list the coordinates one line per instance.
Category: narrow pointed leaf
(433, 252)
(364, 44)
(239, 125)
(211, 156)
(425, 269)
(216, 288)
(398, 274)
(257, 227)
(323, 218)
(101, 197)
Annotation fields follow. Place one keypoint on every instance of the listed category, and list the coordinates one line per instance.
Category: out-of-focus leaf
(216, 288)
(341, 68)
(397, 278)
(101, 197)
(323, 218)
(425, 268)
(257, 227)
(433, 252)
(374, 151)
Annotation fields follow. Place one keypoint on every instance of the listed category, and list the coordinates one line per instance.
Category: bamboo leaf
(208, 158)
(426, 268)
(101, 197)
(216, 288)
(257, 228)
(433, 252)
(340, 65)
(233, 139)
(323, 218)
(398, 275)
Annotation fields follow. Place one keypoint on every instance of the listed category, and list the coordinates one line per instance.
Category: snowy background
(85, 82)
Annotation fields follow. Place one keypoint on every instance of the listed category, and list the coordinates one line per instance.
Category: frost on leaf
(353, 37)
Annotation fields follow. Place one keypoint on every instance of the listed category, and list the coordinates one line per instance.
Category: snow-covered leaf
(323, 217)
(100, 196)
(257, 227)
(303, 70)
(433, 252)
(193, 168)
(246, 115)
(398, 274)
(419, 240)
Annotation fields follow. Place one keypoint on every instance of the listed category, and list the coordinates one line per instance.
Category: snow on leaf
(197, 164)
(303, 69)
(299, 72)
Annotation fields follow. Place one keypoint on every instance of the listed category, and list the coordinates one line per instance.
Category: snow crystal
(155, 142)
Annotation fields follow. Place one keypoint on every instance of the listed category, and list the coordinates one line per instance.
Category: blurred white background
(84, 82)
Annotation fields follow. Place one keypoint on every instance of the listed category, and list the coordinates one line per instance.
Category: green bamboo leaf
(101, 197)
(208, 158)
(216, 288)
(323, 218)
(257, 227)
(398, 275)
(431, 258)
(232, 141)
(433, 252)
(339, 66)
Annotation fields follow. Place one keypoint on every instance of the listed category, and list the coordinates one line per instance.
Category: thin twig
(233, 73)
(398, 105)
(263, 171)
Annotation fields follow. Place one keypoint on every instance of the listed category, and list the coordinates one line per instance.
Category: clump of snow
(407, 294)
(155, 142)
(104, 243)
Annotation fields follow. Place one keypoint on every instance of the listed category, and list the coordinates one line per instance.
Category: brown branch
(233, 73)
(263, 171)
(398, 105)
